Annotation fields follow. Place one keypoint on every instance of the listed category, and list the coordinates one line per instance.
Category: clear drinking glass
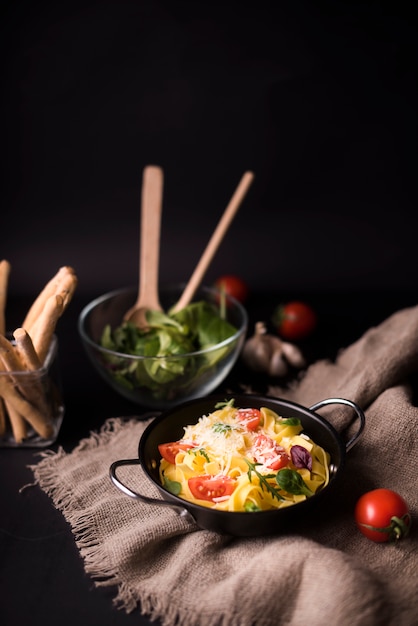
(31, 405)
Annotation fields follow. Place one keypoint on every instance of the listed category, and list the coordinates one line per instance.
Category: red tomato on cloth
(295, 320)
(382, 515)
(233, 286)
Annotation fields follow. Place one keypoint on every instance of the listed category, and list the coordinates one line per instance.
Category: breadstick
(44, 327)
(10, 363)
(27, 355)
(67, 288)
(35, 418)
(23, 399)
(4, 279)
(25, 350)
(9, 357)
(2, 418)
(17, 422)
(51, 288)
(29, 388)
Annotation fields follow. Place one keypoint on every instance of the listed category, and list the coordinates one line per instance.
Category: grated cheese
(230, 439)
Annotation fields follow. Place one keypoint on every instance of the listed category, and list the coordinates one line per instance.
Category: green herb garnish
(225, 403)
(251, 507)
(173, 486)
(291, 481)
(200, 451)
(263, 478)
(291, 421)
(220, 427)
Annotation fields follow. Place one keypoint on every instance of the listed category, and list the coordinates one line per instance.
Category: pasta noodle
(237, 459)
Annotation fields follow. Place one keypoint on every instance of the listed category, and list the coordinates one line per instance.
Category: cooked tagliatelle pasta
(244, 459)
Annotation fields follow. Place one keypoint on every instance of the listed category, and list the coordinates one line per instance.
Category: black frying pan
(169, 426)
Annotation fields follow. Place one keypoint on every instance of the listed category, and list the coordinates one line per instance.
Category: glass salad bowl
(180, 357)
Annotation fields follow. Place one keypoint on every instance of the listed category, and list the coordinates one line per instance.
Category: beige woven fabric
(322, 572)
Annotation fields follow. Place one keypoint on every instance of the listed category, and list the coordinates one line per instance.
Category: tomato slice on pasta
(169, 450)
(269, 453)
(208, 487)
(251, 418)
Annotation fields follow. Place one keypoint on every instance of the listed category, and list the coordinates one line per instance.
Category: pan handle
(183, 512)
(351, 442)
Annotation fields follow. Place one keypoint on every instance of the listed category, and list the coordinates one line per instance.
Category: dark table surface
(42, 578)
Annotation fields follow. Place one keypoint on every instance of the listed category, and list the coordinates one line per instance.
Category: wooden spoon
(151, 209)
(214, 242)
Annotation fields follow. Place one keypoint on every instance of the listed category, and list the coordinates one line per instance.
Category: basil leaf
(172, 486)
(301, 457)
(250, 507)
(291, 421)
(289, 480)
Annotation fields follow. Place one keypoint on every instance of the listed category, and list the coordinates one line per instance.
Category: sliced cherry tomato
(269, 453)
(295, 320)
(251, 418)
(233, 286)
(169, 450)
(209, 487)
(382, 515)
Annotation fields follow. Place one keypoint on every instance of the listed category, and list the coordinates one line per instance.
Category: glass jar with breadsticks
(31, 406)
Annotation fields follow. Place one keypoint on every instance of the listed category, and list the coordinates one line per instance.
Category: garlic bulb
(293, 354)
(269, 354)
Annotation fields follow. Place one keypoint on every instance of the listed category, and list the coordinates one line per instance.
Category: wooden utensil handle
(152, 193)
(214, 241)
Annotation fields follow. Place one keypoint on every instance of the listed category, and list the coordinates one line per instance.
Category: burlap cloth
(322, 572)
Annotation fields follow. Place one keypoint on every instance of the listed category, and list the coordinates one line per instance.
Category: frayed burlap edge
(96, 561)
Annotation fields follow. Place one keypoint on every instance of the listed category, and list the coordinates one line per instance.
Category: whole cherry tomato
(294, 320)
(382, 515)
(233, 286)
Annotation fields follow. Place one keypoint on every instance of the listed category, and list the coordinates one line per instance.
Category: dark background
(318, 98)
